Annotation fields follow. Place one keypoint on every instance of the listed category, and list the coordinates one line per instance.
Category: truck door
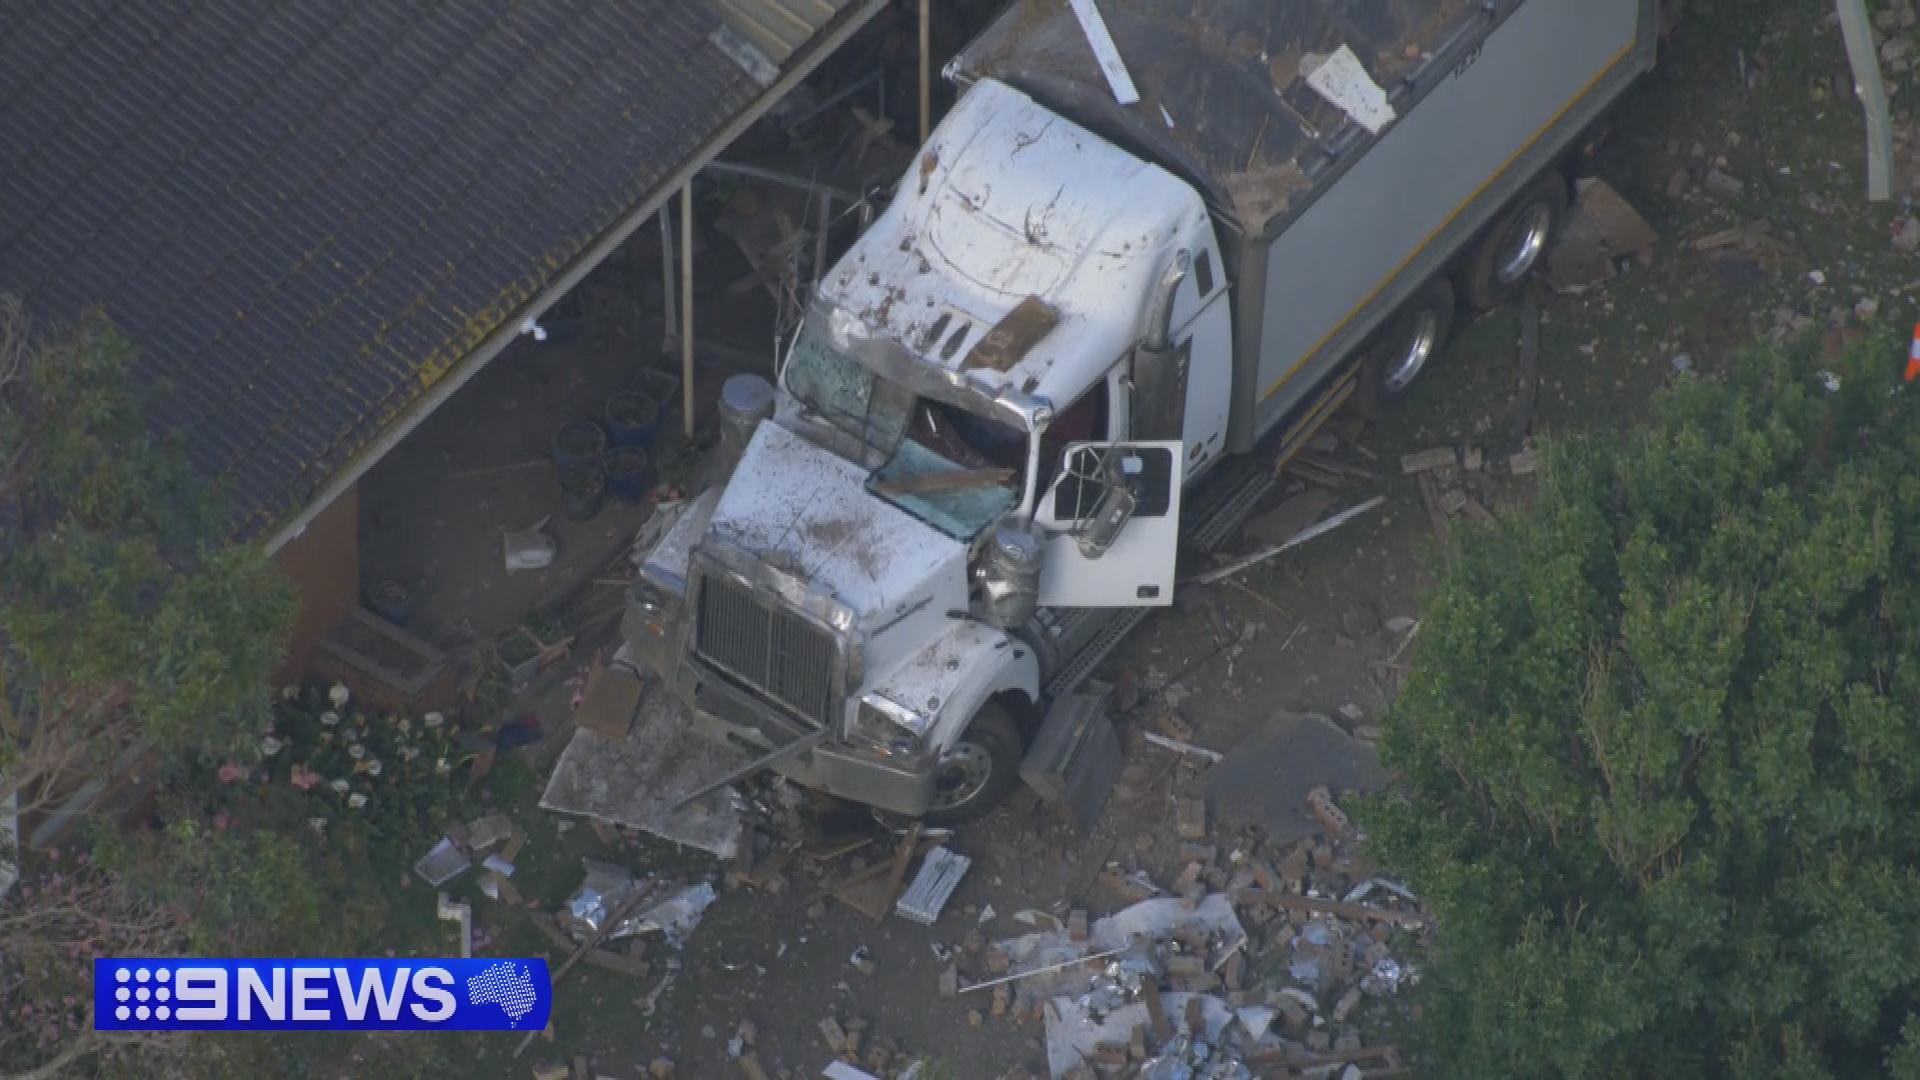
(1112, 523)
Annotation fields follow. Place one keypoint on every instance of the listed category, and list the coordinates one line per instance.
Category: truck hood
(806, 511)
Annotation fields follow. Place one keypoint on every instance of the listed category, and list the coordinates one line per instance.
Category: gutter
(824, 45)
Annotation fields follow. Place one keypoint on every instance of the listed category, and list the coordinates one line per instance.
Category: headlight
(649, 599)
(653, 604)
(891, 729)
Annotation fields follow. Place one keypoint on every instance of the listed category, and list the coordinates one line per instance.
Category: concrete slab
(633, 781)
(1265, 780)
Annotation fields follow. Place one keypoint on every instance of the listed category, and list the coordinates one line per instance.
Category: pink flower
(230, 773)
(303, 777)
(220, 820)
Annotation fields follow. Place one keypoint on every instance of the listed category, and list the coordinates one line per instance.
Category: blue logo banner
(321, 995)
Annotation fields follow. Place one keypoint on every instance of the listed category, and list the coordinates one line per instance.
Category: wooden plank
(901, 858)
(937, 482)
(1017, 332)
(1340, 468)
(1436, 514)
(1477, 512)
(1437, 458)
(618, 963)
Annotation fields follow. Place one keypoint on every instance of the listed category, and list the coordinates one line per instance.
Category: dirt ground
(1321, 630)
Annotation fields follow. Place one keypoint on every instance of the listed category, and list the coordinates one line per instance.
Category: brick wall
(324, 565)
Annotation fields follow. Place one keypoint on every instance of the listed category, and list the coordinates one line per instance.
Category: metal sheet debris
(607, 888)
(442, 864)
(1343, 80)
(1157, 919)
(1074, 1036)
(939, 875)
(636, 781)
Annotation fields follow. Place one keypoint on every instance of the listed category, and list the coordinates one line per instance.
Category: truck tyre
(978, 770)
(1407, 345)
(1516, 245)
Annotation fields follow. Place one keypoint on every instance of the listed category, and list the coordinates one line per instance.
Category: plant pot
(632, 418)
(519, 654)
(579, 446)
(391, 600)
(629, 473)
(582, 493)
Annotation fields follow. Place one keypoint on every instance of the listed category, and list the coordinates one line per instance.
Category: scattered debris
(529, 549)
(443, 863)
(1722, 185)
(449, 911)
(939, 875)
(1304, 535)
(1906, 235)
(1105, 52)
(1440, 457)
(1344, 82)
(1179, 747)
(1601, 228)
(608, 887)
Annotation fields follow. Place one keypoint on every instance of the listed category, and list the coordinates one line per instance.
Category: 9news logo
(320, 995)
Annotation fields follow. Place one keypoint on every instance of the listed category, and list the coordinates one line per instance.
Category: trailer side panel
(1432, 180)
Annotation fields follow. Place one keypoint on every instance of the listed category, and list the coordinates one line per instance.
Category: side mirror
(1115, 508)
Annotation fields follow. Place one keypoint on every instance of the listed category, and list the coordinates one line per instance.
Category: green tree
(128, 626)
(1658, 756)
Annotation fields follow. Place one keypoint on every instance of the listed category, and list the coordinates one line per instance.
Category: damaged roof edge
(803, 62)
(1260, 176)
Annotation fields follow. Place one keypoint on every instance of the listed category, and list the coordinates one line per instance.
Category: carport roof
(307, 214)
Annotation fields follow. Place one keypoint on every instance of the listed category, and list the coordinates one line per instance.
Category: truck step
(1120, 622)
(1218, 517)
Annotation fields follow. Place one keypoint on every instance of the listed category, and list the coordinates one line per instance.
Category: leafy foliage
(1659, 751)
(124, 617)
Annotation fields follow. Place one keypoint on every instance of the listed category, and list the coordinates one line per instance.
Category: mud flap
(1076, 757)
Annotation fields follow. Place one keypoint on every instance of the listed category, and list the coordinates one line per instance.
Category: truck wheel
(1409, 342)
(978, 770)
(1516, 245)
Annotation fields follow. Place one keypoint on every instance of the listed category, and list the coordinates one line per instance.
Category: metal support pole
(686, 305)
(926, 64)
(1873, 96)
(668, 304)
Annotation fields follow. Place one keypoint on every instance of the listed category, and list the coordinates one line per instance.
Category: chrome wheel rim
(1526, 240)
(1417, 351)
(961, 775)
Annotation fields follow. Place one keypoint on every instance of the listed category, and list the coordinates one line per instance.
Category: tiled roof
(305, 213)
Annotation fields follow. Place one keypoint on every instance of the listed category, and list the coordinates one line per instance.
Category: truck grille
(769, 648)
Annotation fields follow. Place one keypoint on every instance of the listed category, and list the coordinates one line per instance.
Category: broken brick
(1185, 966)
(1187, 877)
(1077, 924)
(1327, 812)
(1204, 854)
(1190, 819)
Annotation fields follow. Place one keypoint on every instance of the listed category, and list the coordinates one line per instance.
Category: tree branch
(87, 1043)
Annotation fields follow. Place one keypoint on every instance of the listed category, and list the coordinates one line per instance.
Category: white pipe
(1858, 34)
(462, 914)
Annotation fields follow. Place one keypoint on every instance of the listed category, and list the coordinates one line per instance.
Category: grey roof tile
(294, 210)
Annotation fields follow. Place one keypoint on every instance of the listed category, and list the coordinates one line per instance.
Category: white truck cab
(970, 483)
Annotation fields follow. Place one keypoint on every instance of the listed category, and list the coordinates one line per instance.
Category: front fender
(964, 667)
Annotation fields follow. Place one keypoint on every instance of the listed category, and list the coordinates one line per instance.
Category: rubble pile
(1252, 963)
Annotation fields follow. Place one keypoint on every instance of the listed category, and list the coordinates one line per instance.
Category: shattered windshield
(953, 469)
(846, 394)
